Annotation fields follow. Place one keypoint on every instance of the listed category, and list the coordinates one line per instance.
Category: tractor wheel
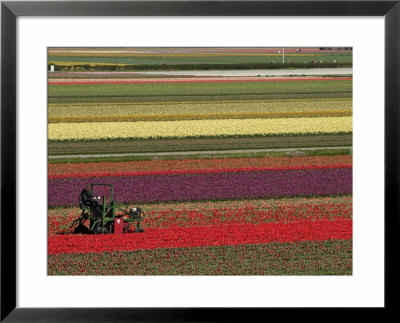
(96, 229)
(109, 227)
(81, 229)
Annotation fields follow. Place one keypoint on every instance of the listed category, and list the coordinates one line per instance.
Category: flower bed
(209, 186)
(306, 230)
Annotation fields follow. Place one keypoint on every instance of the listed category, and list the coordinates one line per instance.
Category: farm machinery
(107, 216)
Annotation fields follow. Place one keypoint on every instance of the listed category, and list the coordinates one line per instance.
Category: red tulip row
(193, 171)
(191, 214)
(175, 237)
(194, 164)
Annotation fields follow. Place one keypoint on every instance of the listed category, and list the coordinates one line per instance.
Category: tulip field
(212, 205)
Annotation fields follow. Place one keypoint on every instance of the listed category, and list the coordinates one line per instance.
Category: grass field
(202, 58)
(198, 89)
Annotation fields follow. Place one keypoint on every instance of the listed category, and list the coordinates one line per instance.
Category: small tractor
(106, 220)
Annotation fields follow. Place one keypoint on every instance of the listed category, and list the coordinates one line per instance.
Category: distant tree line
(335, 48)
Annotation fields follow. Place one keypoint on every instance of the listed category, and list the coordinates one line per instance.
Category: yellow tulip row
(198, 128)
(185, 108)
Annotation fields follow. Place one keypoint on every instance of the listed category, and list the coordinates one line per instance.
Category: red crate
(118, 225)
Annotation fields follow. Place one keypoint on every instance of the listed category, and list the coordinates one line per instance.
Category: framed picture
(51, 53)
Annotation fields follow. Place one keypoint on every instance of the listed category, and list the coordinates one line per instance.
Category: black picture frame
(10, 10)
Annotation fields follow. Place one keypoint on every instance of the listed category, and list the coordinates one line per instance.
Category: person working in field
(90, 201)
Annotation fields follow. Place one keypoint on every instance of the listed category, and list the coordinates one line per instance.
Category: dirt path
(269, 72)
(262, 72)
(215, 79)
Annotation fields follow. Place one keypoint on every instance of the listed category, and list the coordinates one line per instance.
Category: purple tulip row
(215, 186)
